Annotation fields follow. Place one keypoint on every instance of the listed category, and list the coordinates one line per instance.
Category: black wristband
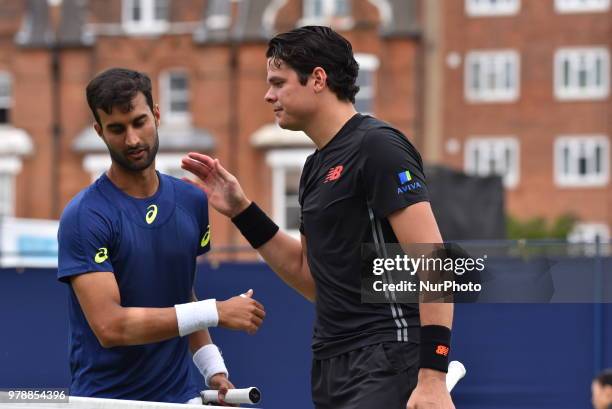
(434, 347)
(255, 225)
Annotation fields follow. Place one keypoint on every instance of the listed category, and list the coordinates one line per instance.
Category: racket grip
(233, 396)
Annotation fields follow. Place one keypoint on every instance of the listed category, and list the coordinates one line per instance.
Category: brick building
(207, 62)
(521, 88)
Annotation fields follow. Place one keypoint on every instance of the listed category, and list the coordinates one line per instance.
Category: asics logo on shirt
(334, 174)
(151, 214)
(101, 255)
(206, 237)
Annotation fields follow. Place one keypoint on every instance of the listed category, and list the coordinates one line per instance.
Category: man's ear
(156, 114)
(320, 79)
(98, 129)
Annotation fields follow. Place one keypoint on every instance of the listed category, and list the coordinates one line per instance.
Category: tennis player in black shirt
(363, 184)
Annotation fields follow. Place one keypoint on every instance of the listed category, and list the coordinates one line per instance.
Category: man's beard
(122, 159)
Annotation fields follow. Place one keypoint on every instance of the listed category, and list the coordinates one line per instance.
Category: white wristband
(209, 361)
(195, 316)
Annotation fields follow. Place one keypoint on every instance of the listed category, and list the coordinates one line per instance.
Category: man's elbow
(109, 334)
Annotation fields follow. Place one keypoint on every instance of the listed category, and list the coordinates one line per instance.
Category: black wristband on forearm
(434, 347)
(255, 225)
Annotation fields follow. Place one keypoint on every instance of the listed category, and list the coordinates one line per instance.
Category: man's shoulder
(378, 135)
(186, 193)
(89, 201)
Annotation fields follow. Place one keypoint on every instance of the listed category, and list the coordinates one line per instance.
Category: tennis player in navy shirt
(127, 248)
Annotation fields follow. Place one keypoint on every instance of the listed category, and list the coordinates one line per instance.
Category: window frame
(328, 15)
(574, 93)
(576, 6)
(10, 166)
(147, 24)
(499, 144)
(166, 94)
(478, 8)
(589, 230)
(493, 58)
(574, 179)
(279, 161)
(371, 63)
(7, 101)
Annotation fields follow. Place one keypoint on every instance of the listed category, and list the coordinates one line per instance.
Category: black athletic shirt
(347, 191)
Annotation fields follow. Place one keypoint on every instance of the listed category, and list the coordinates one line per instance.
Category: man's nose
(131, 137)
(270, 97)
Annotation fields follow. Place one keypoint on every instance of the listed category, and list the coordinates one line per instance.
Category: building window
(10, 166)
(493, 156)
(589, 233)
(175, 97)
(582, 73)
(582, 161)
(286, 172)
(364, 100)
(6, 98)
(145, 16)
(492, 7)
(581, 6)
(324, 11)
(492, 76)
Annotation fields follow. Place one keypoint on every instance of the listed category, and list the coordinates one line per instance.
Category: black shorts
(374, 377)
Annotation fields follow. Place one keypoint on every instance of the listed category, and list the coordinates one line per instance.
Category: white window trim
(167, 117)
(590, 230)
(512, 179)
(328, 18)
(573, 6)
(10, 165)
(575, 180)
(496, 95)
(147, 25)
(478, 9)
(96, 164)
(279, 160)
(367, 62)
(7, 102)
(563, 94)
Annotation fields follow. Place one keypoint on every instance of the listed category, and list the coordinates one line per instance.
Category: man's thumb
(248, 294)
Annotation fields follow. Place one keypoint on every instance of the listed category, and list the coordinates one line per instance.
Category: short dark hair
(605, 377)
(305, 48)
(117, 87)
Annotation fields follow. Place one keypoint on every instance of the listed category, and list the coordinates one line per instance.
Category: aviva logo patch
(407, 185)
(206, 237)
(151, 214)
(101, 255)
(404, 177)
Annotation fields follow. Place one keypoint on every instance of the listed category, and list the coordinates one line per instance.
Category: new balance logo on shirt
(334, 174)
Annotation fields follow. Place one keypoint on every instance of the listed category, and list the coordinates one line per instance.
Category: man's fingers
(199, 157)
(199, 169)
(259, 312)
(221, 170)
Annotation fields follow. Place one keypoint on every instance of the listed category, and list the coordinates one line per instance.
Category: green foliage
(537, 228)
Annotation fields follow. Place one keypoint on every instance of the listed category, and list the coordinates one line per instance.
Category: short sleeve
(392, 171)
(84, 239)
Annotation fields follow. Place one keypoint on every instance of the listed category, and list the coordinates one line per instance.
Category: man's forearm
(137, 326)
(436, 314)
(284, 255)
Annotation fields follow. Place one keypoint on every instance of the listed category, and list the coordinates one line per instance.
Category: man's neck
(140, 184)
(327, 122)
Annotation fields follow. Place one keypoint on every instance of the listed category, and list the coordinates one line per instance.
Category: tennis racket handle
(456, 371)
(233, 396)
